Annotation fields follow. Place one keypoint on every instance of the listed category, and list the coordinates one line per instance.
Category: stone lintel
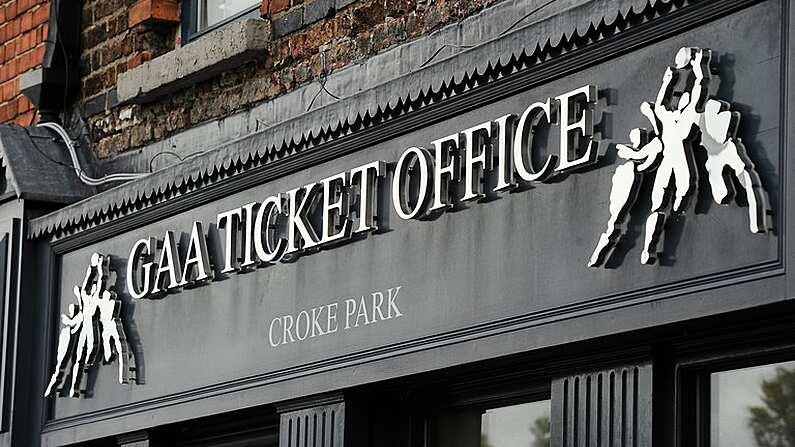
(218, 51)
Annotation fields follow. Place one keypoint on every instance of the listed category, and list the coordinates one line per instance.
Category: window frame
(462, 395)
(10, 240)
(482, 404)
(190, 20)
(693, 379)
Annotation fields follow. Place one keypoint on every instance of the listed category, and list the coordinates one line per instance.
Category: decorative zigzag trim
(520, 50)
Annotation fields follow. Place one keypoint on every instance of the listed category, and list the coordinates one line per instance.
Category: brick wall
(359, 29)
(112, 41)
(23, 30)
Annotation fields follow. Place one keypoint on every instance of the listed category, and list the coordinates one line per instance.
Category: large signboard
(653, 169)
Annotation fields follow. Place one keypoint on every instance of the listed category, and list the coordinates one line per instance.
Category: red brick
(23, 5)
(38, 54)
(279, 6)
(41, 15)
(264, 8)
(23, 105)
(25, 43)
(10, 50)
(8, 91)
(12, 68)
(2, 14)
(27, 22)
(23, 61)
(5, 113)
(11, 10)
(147, 11)
(12, 107)
(25, 118)
(138, 59)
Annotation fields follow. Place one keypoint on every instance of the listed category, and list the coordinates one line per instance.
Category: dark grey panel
(10, 236)
(606, 408)
(5, 336)
(40, 165)
(317, 426)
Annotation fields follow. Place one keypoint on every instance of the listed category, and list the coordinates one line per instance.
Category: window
(516, 425)
(520, 425)
(201, 16)
(753, 407)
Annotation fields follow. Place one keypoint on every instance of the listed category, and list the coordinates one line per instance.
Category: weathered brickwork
(111, 46)
(23, 31)
(347, 35)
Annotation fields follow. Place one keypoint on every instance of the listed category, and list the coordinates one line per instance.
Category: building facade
(402, 224)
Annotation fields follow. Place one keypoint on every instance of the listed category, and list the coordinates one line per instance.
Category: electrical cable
(502, 33)
(322, 81)
(81, 174)
(524, 17)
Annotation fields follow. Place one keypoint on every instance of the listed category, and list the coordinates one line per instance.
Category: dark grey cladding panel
(515, 51)
(606, 408)
(39, 166)
(319, 426)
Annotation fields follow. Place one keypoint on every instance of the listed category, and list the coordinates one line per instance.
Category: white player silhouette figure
(66, 343)
(669, 152)
(113, 342)
(95, 317)
(87, 339)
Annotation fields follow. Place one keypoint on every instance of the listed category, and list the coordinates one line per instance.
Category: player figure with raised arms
(677, 175)
(72, 322)
(670, 152)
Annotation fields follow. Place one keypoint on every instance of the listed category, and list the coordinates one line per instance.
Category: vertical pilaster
(313, 422)
(605, 408)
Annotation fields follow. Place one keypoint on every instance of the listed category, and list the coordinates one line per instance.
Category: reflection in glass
(212, 12)
(753, 407)
(523, 425)
(516, 426)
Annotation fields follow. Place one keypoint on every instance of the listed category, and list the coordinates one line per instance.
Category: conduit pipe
(81, 174)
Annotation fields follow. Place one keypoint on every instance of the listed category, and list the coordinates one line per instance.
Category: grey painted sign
(499, 258)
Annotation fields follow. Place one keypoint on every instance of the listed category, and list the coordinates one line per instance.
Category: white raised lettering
(392, 302)
(573, 128)
(229, 221)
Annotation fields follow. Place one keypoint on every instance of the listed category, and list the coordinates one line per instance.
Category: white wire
(121, 177)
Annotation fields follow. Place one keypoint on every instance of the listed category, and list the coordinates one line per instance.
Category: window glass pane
(516, 426)
(753, 407)
(213, 12)
(523, 425)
